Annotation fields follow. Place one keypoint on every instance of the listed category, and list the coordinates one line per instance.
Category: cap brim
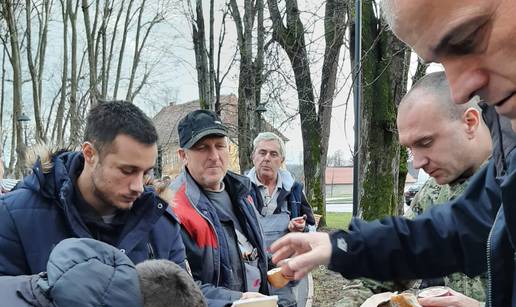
(200, 135)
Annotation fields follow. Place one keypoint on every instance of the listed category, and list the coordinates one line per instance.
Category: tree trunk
(201, 57)
(92, 60)
(122, 48)
(74, 78)
(37, 64)
(249, 79)
(384, 67)
(58, 136)
(291, 39)
(8, 14)
(335, 29)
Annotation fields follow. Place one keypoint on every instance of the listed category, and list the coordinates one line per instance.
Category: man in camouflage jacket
(450, 152)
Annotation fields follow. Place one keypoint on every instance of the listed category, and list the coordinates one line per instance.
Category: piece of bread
(403, 300)
(276, 278)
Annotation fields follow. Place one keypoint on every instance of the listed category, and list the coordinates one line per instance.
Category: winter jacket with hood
(40, 213)
(80, 273)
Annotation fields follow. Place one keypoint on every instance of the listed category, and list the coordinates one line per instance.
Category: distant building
(166, 124)
(339, 184)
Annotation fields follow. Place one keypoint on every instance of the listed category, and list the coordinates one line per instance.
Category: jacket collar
(287, 181)
(236, 185)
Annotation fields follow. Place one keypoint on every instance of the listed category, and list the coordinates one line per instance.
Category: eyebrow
(443, 44)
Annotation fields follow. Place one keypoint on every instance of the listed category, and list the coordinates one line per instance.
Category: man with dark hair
(96, 193)
(222, 237)
(163, 283)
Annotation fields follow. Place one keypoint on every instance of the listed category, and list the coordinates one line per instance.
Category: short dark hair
(163, 283)
(109, 119)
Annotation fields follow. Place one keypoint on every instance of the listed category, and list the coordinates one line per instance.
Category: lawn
(338, 220)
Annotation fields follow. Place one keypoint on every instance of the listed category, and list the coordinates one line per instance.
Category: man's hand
(455, 299)
(248, 295)
(297, 224)
(305, 250)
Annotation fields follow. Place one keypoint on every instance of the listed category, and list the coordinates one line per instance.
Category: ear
(181, 153)
(90, 153)
(472, 120)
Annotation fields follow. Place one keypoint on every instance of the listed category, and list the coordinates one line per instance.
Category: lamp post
(23, 119)
(260, 109)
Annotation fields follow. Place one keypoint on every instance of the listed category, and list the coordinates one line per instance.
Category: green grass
(338, 220)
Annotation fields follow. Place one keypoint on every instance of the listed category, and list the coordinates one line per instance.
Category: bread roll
(276, 278)
(404, 300)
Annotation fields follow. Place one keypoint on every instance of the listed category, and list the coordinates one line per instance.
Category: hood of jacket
(87, 272)
(286, 178)
(51, 171)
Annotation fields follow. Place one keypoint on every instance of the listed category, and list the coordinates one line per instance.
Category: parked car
(411, 192)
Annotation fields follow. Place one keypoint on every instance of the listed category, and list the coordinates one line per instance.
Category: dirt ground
(327, 285)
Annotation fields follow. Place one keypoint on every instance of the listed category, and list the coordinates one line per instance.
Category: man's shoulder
(23, 199)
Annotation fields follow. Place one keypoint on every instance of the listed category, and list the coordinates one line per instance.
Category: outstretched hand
(299, 253)
(455, 299)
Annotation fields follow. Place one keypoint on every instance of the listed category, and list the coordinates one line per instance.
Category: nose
(419, 160)
(136, 184)
(213, 154)
(465, 79)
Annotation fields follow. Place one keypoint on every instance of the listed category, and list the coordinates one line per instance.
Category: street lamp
(260, 109)
(23, 119)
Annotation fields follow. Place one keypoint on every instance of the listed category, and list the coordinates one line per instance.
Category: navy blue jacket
(475, 233)
(40, 213)
(203, 236)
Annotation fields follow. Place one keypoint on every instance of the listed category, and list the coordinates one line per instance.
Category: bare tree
(250, 76)
(315, 118)
(125, 31)
(90, 38)
(139, 44)
(74, 78)
(204, 83)
(9, 9)
(36, 64)
(385, 72)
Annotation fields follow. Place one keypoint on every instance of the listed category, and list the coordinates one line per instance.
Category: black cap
(198, 124)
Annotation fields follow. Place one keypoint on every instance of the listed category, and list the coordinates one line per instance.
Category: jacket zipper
(213, 228)
(489, 276)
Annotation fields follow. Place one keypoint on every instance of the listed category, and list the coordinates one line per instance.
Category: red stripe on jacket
(194, 224)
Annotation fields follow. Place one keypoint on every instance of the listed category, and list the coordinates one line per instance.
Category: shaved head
(435, 85)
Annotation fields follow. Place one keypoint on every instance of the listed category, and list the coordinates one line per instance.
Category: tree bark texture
(384, 70)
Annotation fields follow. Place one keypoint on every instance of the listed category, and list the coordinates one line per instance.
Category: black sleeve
(445, 239)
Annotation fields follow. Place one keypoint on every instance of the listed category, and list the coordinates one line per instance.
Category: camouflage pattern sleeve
(472, 287)
(424, 199)
(358, 290)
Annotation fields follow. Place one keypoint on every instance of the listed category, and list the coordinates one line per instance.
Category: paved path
(339, 207)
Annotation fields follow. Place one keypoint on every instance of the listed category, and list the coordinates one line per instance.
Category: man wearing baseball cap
(221, 234)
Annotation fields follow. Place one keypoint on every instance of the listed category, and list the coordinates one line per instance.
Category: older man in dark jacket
(95, 193)
(223, 242)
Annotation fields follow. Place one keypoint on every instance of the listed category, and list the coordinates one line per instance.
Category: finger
(304, 263)
(295, 240)
(282, 253)
(438, 301)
